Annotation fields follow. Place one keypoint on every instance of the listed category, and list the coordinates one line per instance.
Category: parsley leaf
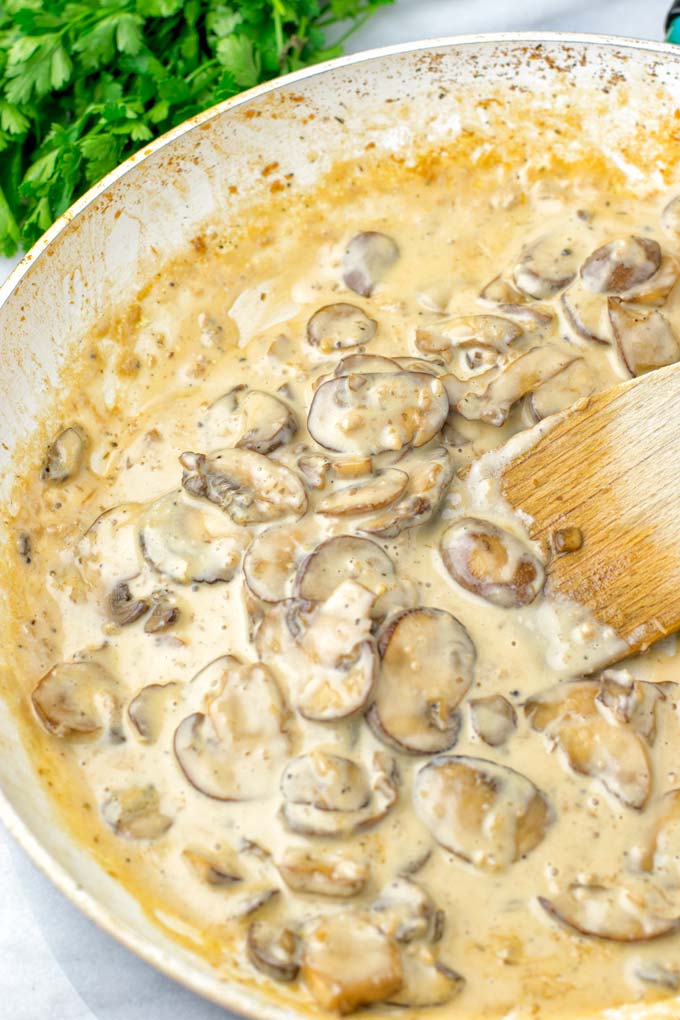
(83, 84)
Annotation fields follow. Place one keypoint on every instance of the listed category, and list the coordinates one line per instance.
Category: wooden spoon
(610, 467)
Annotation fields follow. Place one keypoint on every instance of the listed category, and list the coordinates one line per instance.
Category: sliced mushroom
(500, 291)
(270, 562)
(246, 902)
(493, 719)
(344, 557)
(592, 743)
(64, 456)
(429, 475)
(367, 259)
(658, 974)
(585, 313)
(273, 950)
(248, 486)
(406, 912)
(326, 781)
(164, 613)
(352, 364)
(352, 466)
(310, 820)
(426, 670)
(545, 268)
(427, 981)
(557, 394)
(347, 962)
(322, 872)
(314, 469)
(481, 811)
(656, 289)
(620, 265)
(615, 913)
(215, 869)
(124, 607)
(369, 413)
(78, 699)
(517, 378)
(254, 420)
(134, 813)
(148, 708)
(491, 562)
(109, 550)
(234, 749)
(339, 326)
(472, 345)
(190, 543)
(624, 700)
(365, 497)
(645, 341)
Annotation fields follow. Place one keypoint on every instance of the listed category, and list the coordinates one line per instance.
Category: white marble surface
(54, 963)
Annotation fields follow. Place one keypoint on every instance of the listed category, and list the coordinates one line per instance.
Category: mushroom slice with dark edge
(545, 267)
(147, 710)
(109, 552)
(78, 699)
(215, 869)
(344, 557)
(371, 412)
(339, 326)
(322, 872)
(134, 813)
(656, 289)
(481, 811)
(585, 313)
(657, 974)
(429, 473)
(190, 543)
(326, 781)
(324, 651)
(309, 820)
(244, 902)
(253, 419)
(493, 331)
(347, 962)
(270, 561)
(367, 259)
(491, 562)
(427, 981)
(590, 740)
(493, 719)
(517, 378)
(124, 607)
(164, 613)
(645, 341)
(426, 670)
(314, 468)
(248, 486)
(234, 749)
(363, 363)
(365, 497)
(273, 950)
(620, 265)
(64, 456)
(405, 912)
(615, 913)
(624, 700)
(349, 557)
(557, 394)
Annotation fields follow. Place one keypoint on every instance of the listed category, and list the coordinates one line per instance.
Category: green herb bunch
(83, 84)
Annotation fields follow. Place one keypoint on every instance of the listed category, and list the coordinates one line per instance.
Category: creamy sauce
(290, 710)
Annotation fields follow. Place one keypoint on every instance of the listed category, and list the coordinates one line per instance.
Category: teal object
(673, 24)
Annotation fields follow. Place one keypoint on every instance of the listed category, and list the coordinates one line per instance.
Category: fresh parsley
(84, 83)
